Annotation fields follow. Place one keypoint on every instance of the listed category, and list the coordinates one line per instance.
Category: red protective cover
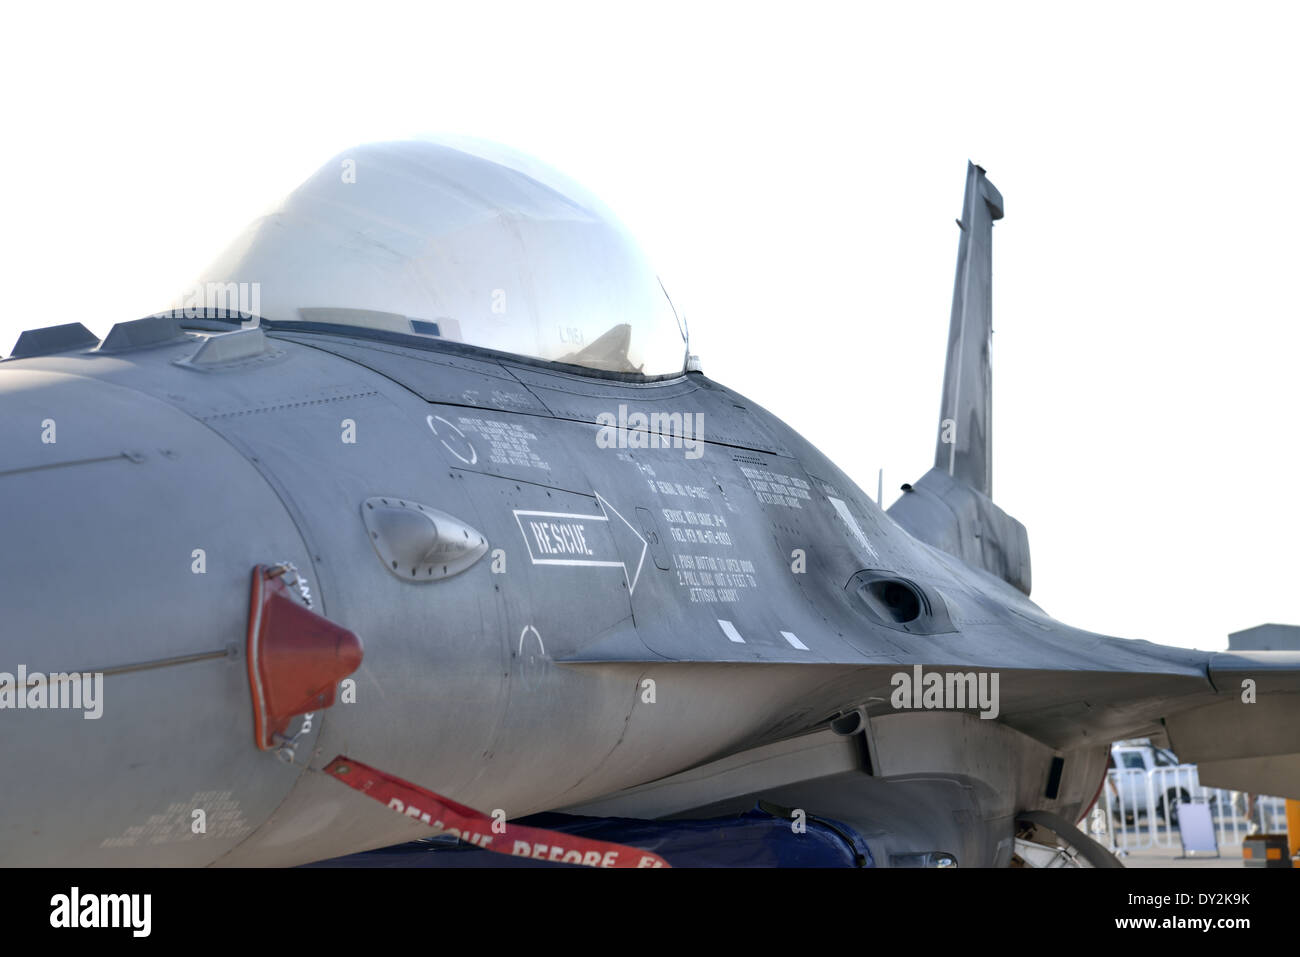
(296, 658)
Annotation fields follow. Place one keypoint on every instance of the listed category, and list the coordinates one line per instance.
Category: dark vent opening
(1054, 778)
(892, 600)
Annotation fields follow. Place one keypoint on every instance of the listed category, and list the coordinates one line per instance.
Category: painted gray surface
(967, 384)
(522, 688)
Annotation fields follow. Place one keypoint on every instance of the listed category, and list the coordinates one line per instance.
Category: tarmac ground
(1131, 854)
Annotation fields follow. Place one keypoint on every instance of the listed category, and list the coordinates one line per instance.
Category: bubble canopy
(460, 241)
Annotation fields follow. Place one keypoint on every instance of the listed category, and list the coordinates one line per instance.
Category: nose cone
(128, 532)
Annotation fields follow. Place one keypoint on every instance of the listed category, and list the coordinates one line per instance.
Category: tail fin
(965, 445)
(951, 507)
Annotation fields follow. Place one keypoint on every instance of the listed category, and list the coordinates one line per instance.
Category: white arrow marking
(569, 537)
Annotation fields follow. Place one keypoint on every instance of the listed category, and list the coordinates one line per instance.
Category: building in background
(1266, 638)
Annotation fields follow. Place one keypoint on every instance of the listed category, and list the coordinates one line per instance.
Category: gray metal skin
(522, 686)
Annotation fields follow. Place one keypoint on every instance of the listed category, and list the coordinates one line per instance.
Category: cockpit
(459, 241)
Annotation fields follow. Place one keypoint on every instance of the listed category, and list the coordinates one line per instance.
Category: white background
(794, 171)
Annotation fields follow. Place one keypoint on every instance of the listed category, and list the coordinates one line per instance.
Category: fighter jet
(419, 489)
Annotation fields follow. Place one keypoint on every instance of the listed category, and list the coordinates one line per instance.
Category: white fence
(1139, 809)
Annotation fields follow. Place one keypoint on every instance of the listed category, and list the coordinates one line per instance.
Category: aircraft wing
(1248, 736)
(1239, 722)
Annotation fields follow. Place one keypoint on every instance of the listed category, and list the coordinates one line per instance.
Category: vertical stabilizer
(951, 506)
(964, 449)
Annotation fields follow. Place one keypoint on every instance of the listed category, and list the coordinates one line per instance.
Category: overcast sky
(794, 172)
